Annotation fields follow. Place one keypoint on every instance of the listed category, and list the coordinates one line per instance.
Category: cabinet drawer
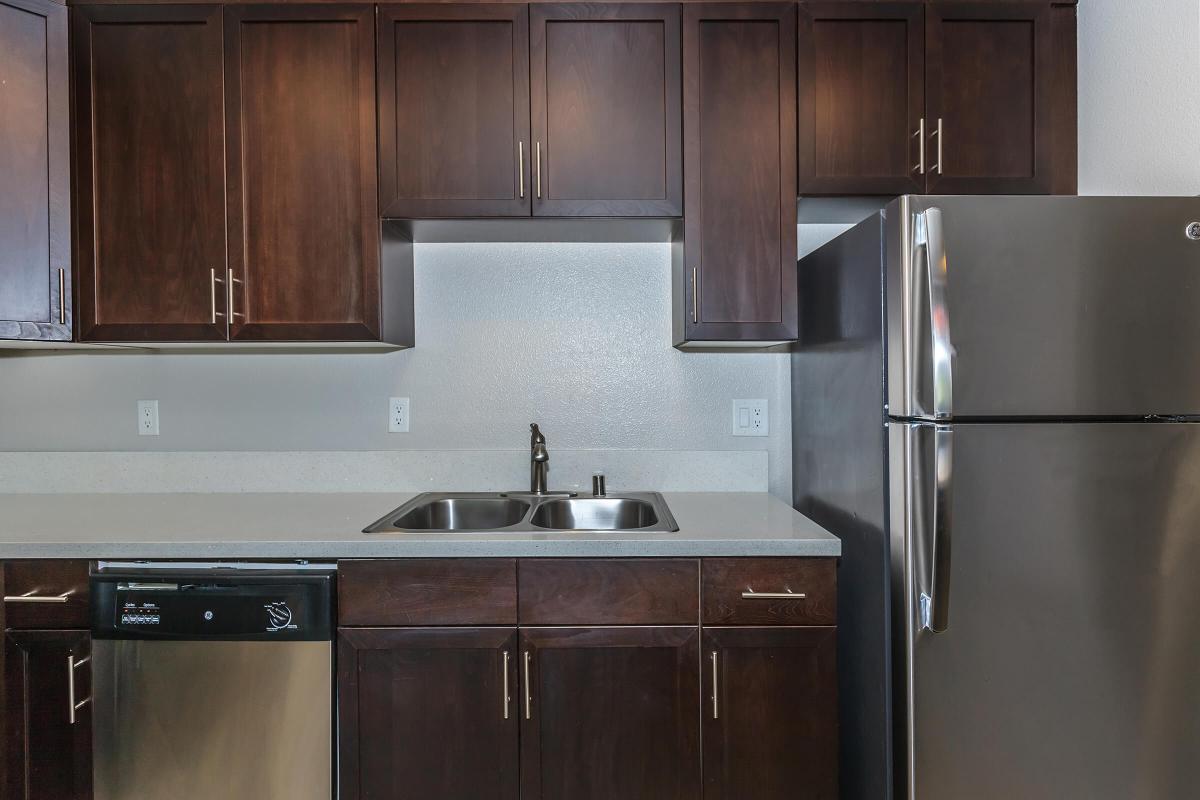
(46, 593)
(626, 591)
(729, 586)
(450, 591)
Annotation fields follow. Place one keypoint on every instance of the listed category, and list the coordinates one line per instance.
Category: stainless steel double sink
(509, 512)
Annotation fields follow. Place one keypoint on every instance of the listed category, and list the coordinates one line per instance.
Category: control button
(208, 615)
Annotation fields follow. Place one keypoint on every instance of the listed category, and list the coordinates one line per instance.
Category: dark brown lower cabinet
(770, 722)
(47, 715)
(428, 713)
(610, 713)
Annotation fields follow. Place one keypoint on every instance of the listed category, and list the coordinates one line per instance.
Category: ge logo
(208, 615)
(1193, 231)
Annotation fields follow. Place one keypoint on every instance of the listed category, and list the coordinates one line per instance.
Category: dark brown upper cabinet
(304, 236)
(610, 712)
(47, 722)
(989, 78)
(150, 189)
(428, 713)
(454, 110)
(738, 270)
(605, 107)
(770, 717)
(861, 97)
(35, 204)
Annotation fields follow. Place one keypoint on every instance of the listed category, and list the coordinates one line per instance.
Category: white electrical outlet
(147, 417)
(750, 418)
(398, 415)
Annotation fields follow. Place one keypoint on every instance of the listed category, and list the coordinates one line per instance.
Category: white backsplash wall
(574, 336)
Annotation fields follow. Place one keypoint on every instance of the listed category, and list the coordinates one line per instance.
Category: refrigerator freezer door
(1049, 307)
(1068, 666)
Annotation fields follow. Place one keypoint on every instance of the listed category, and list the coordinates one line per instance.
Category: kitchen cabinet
(45, 717)
(770, 728)
(35, 204)
(605, 105)
(861, 97)
(588, 678)
(301, 183)
(428, 712)
(937, 97)
(610, 712)
(736, 280)
(150, 189)
(454, 110)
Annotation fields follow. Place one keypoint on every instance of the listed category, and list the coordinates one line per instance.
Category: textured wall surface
(1139, 97)
(575, 336)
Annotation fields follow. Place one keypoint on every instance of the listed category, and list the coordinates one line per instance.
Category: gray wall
(575, 336)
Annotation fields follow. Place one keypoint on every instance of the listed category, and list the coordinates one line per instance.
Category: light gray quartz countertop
(329, 525)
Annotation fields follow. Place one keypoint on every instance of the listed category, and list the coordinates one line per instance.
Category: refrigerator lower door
(1069, 661)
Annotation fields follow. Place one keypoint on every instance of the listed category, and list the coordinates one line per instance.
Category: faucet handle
(535, 435)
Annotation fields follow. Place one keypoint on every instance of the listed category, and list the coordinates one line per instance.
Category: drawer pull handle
(750, 594)
(39, 598)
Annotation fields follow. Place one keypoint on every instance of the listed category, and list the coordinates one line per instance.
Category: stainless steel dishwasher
(213, 681)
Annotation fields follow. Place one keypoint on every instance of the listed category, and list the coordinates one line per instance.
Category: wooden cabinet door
(300, 124)
(610, 712)
(454, 110)
(861, 97)
(150, 190)
(35, 206)
(428, 713)
(739, 254)
(606, 110)
(989, 79)
(770, 716)
(48, 715)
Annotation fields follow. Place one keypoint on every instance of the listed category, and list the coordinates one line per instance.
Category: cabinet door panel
(48, 741)
(303, 226)
(35, 240)
(771, 731)
(612, 713)
(988, 79)
(149, 155)
(862, 96)
(425, 713)
(454, 110)
(606, 110)
(740, 153)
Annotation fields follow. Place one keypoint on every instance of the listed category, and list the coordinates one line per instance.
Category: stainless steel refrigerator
(995, 405)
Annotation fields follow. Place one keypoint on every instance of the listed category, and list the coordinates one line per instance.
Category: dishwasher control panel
(212, 606)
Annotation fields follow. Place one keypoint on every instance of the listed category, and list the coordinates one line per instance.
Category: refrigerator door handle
(929, 242)
(935, 595)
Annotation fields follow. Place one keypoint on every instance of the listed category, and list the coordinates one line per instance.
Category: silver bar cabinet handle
(528, 695)
(750, 594)
(538, 159)
(230, 281)
(920, 136)
(212, 296)
(506, 695)
(941, 138)
(521, 169)
(72, 706)
(62, 296)
(716, 711)
(38, 598)
(695, 297)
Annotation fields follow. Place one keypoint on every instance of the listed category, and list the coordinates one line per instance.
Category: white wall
(574, 336)
(1139, 97)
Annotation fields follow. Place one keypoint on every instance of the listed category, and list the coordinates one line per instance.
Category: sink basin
(522, 512)
(463, 514)
(595, 514)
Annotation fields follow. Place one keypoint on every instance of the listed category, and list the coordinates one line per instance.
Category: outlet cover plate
(398, 415)
(147, 417)
(750, 418)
